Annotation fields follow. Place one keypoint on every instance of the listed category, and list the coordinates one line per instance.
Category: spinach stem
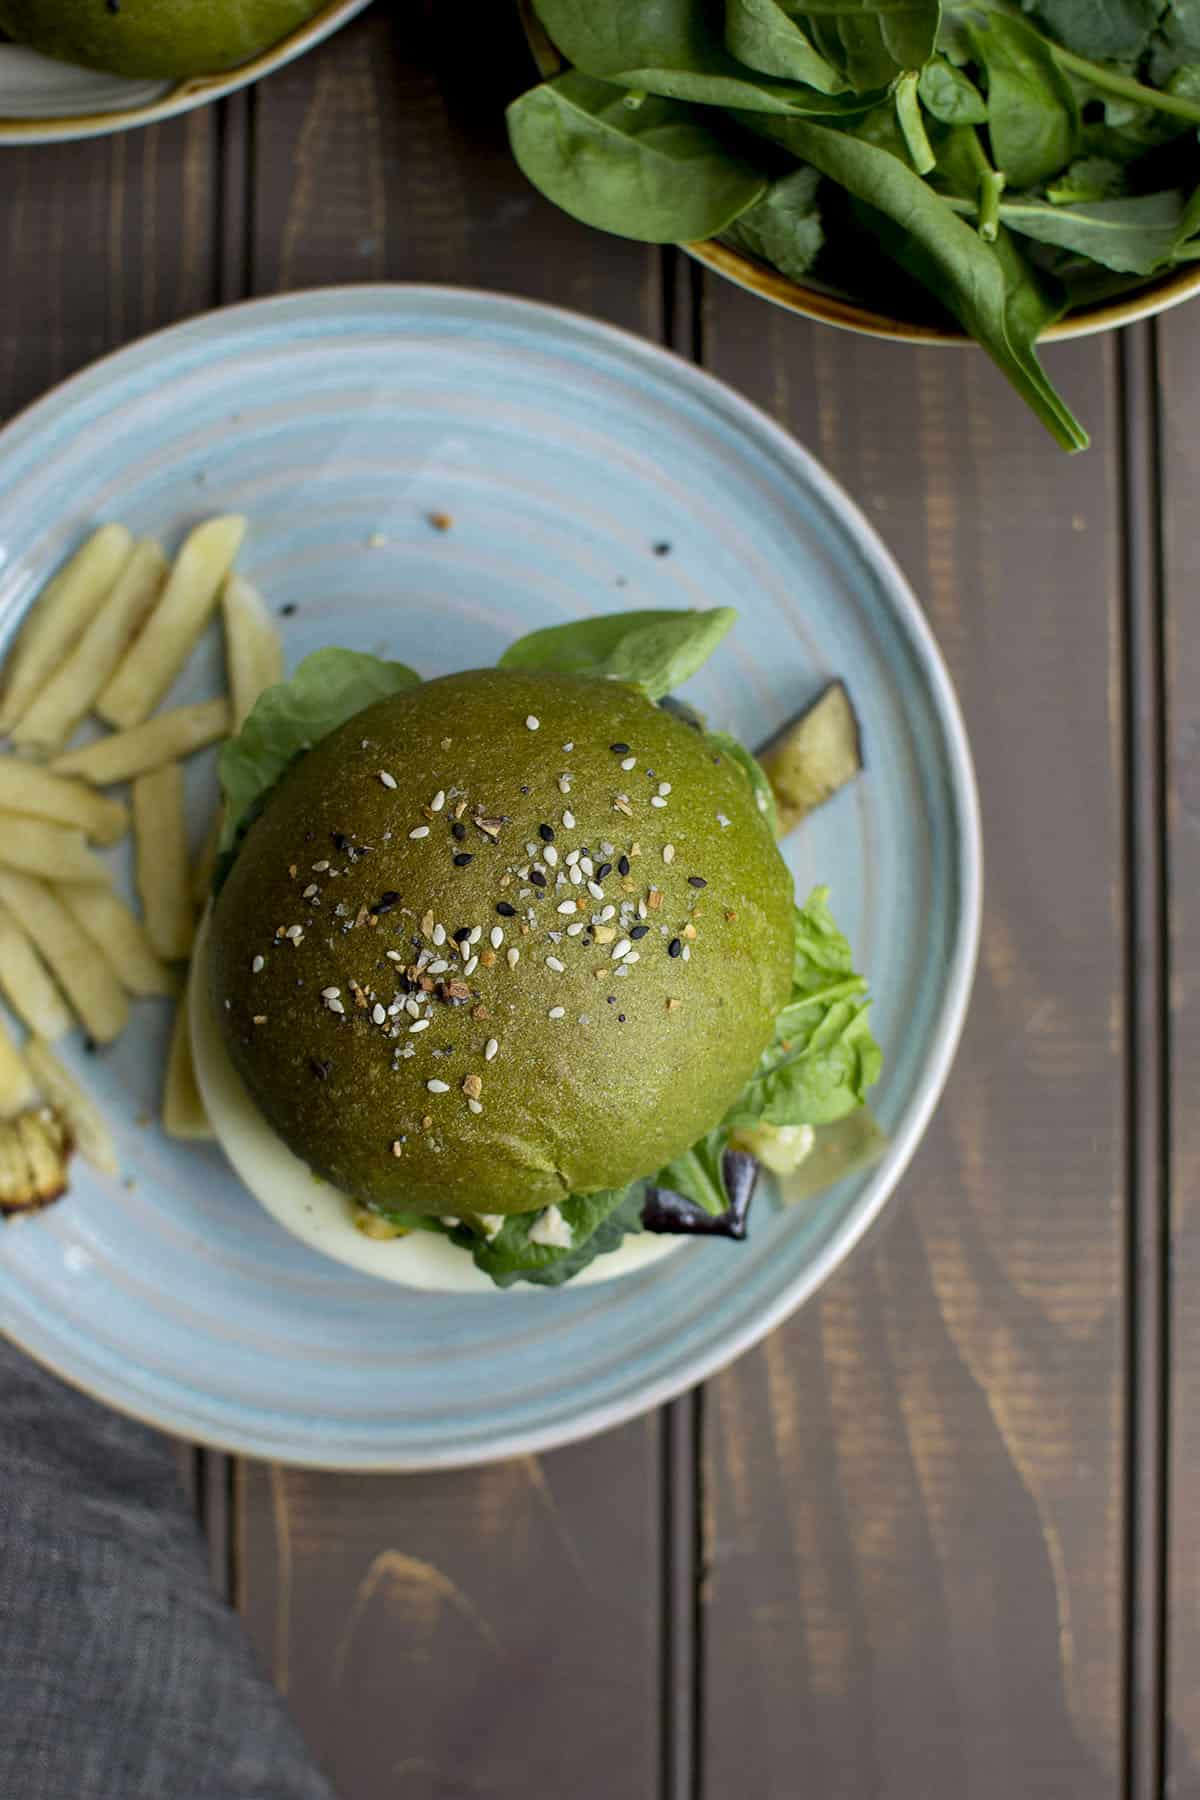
(912, 125)
(992, 183)
(1112, 82)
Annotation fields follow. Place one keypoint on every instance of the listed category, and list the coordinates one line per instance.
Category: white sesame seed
(513, 955)
(531, 724)
(567, 906)
(609, 912)
(476, 934)
(629, 762)
(657, 800)
(622, 968)
(438, 934)
(621, 948)
(557, 1012)
(587, 865)
(419, 831)
(664, 788)
(642, 909)
(438, 801)
(389, 781)
(330, 993)
(569, 747)
(577, 874)
(552, 962)
(551, 855)
(531, 851)
(668, 853)
(476, 1106)
(568, 819)
(335, 1006)
(411, 1008)
(633, 957)
(419, 1025)
(471, 966)
(573, 857)
(574, 930)
(438, 1087)
(687, 953)
(393, 956)
(319, 868)
(497, 936)
(310, 890)
(595, 890)
(258, 965)
(295, 932)
(722, 820)
(490, 1049)
(439, 967)
(564, 784)
(378, 1014)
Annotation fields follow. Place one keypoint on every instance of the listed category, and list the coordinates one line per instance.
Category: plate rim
(182, 96)
(967, 864)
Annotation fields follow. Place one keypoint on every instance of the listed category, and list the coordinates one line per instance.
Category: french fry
(50, 850)
(25, 788)
(160, 740)
(87, 981)
(206, 862)
(59, 615)
(171, 632)
(17, 1087)
(253, 651)
(120, 937)
(160, 843)
(183, 1113)
(84, 1122)
(68, 695)
(25, 983)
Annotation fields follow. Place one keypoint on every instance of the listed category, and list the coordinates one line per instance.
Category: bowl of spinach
(934, 170)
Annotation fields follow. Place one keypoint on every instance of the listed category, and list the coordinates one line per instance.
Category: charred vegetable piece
(666, 1212)
(35, 1149)
(813, 757)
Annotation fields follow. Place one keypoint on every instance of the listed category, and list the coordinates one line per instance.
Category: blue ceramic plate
(564, 452)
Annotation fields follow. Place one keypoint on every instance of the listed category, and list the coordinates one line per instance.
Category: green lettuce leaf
(328, 688)
(598, 1224)
(752, 769)
(654, 651)
(697, 1174)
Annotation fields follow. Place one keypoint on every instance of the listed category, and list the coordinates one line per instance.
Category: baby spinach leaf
(598, 1224)
(655, 651)
(327, 688)
(1091, 178)
(764, 35)
(987, 292)
(950, 95)
(673, 48)
(784, 227)
(1033, 115)
(873, 41)
(653, 171)
(1136, 235)
(698, 1174)
(1109, 30)
(764, 795)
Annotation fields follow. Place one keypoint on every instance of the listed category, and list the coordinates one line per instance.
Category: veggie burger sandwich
(512, 958)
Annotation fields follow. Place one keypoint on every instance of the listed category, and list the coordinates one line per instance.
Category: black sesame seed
(288, 610)
(675, 947)
(458, 830)
(386, 902)
(463, 858)
(662, 549)
(619, 749)
(623, 865)
(638, 931)
(546, 833)
(340, 841)
(505, 910)
(620, 1018)
(537, 878)
(603, 870)
(697, 881)
(524, 790)
(612, 999)
(462, 934)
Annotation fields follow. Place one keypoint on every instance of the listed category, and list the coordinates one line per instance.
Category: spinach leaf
(1091, 178)
(672, 48)
(652, 171)
(1109, 30)
(698, 1174)
(990, 294)
(752, 769)
(1136, 236)
(764, 35)
(873, 41)
(598, 1223)
(655, 651)
(784, 227)
(1033, 115)
(950, 95)
(328, 688)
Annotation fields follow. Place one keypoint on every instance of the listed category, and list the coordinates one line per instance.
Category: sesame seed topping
(629, 762)
(687, 953)
(438, 1087)
(513, 956)
(335, 1006)
(378, 1014)
(295, 932)
(609, 912)
(638, 931)
(574, 930)
(604, 869)
(319, 868)
(552, 962)
(621, 948)
(675, 947)
(458, 830)
(258, 965)
(438, 967)
(657, 800)
(566, 906)
(394, 956)
(577, 874)
(419, 1025)
(697, 881)
(505, 910)
(438, 801)
(595, 890)
(490, 1049)
(557, 1012)
(668, 853)
(573, 857)
(537, 878)
(389, 781)
(623, 865)
(546, 833)
(568, 820)
(476, 1106)
(471, 966)
(551, 855)
(463, 858)
(619, 749)
(532, 723)
(438, 934)
(564, 784)
(419, 831)
(497, 936)
(310, 890)
(634, 956)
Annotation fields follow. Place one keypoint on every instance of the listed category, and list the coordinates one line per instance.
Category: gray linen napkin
(123, 1676)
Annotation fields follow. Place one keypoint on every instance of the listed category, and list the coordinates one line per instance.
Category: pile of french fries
(105, 641)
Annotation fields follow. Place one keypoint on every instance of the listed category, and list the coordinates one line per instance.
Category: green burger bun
(389, 884)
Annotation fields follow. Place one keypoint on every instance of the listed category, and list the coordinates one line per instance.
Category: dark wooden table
(939, 1539)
